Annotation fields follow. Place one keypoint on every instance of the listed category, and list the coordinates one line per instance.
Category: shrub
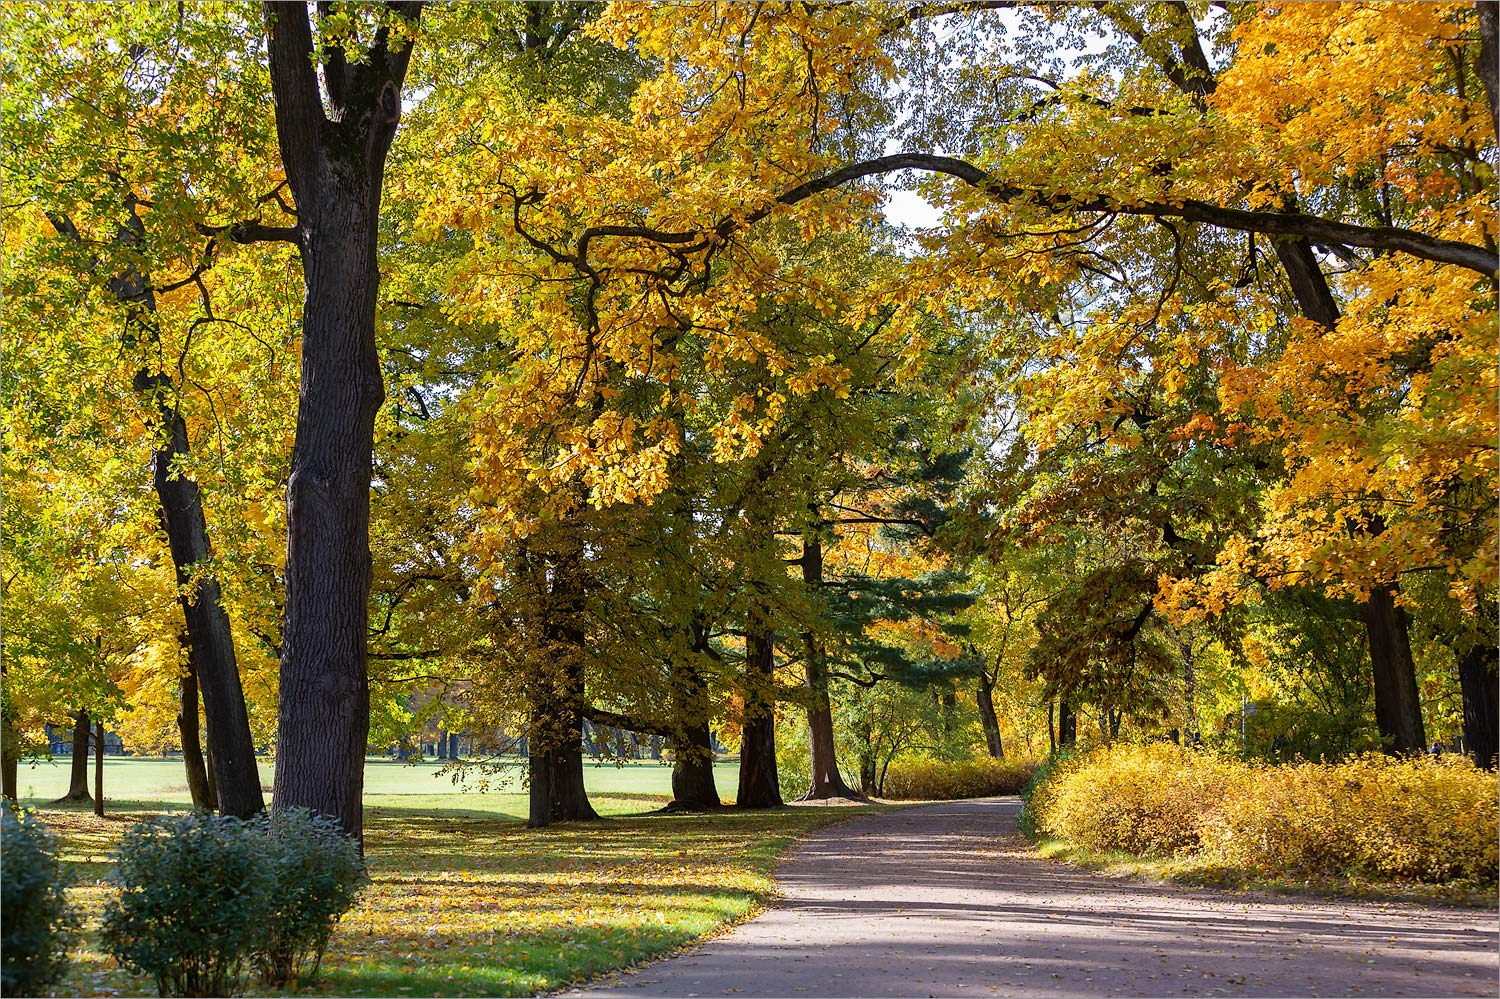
(927, 779)
(193, 902)
(36, 924)
(1141, 799)
(1420, 819)
(1427, 820)
(315, 873)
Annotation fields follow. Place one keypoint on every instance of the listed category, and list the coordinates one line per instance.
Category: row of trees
(553, 362)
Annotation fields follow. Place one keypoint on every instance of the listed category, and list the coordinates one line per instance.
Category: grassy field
(464, 900)
(136, 783)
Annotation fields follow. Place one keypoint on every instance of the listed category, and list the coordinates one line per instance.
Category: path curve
(945, 900)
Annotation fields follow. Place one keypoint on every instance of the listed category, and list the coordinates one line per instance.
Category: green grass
(464, 900)
(141, 783)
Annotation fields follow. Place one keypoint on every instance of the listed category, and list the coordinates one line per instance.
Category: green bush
(927, 779)
(36, 924)
(193, 902)
(315, 873)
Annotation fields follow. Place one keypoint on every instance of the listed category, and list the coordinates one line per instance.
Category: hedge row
(927, 779)
(1430, 820)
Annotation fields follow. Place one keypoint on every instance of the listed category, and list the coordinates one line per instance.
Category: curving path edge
(946, 900)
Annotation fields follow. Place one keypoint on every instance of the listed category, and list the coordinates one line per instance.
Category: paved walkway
(943, 900)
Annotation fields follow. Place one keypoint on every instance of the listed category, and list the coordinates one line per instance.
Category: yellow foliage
(1424, 820)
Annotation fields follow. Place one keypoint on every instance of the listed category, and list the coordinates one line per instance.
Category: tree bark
(452, 746)
(210, 642)
(99, 769)
(192, 749)
(78, 775)
(693, 785)
(759, 784)
(335, 166)
(1488, 63)
(1398, 710)
(556, 735)
(1477, 679)
(9, 750)
(827, 780)
(1067, 724)
(988, 720)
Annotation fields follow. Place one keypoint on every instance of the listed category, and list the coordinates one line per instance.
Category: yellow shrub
(926, 779)
(1411, 820)
(1142, 799)
(1373, 817)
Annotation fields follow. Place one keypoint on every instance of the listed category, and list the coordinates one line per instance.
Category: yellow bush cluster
(1427, 820)
(927, 779)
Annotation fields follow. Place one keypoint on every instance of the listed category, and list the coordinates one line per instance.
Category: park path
(945, 900)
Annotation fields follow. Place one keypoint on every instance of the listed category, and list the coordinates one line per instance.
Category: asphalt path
(947, 900)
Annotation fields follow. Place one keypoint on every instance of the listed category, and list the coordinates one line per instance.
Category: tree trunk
(539, 774)
(78, 775)
(9, 760)
(210, 643)
(556, 735)
(759, 785)
(442, 745)
(988, 720)
(1488, 63)
(9, 750)
(827, 781)
(99, 769)
(335, 167)
(693, 785)
(1477, 680)
(192, 749)
(1067, 724)
(452, 746)
(1398, 710)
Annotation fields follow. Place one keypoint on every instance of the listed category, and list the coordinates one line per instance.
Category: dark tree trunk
(442, 745)
(452, 745)
(1051, 728)
(759, 784)
(827, 781)
(335, 166)
(1398, 710)
(99, 769)
(78, 774)
(988, 720)
(1477, 679)
(9, 750)
(210, 643)
(693, 785)
(1067, 724)
(208, 759)
(192, 748)
(556, 735)
(1488, 63)
(539, 774)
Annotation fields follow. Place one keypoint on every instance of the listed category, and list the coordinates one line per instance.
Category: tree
(334, 156)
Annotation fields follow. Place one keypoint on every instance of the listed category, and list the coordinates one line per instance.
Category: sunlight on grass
(467, 904)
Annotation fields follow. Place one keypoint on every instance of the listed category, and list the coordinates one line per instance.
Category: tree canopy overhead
(555, 362)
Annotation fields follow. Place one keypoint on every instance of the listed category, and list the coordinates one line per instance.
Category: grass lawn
(143, 783)
(465, 900)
